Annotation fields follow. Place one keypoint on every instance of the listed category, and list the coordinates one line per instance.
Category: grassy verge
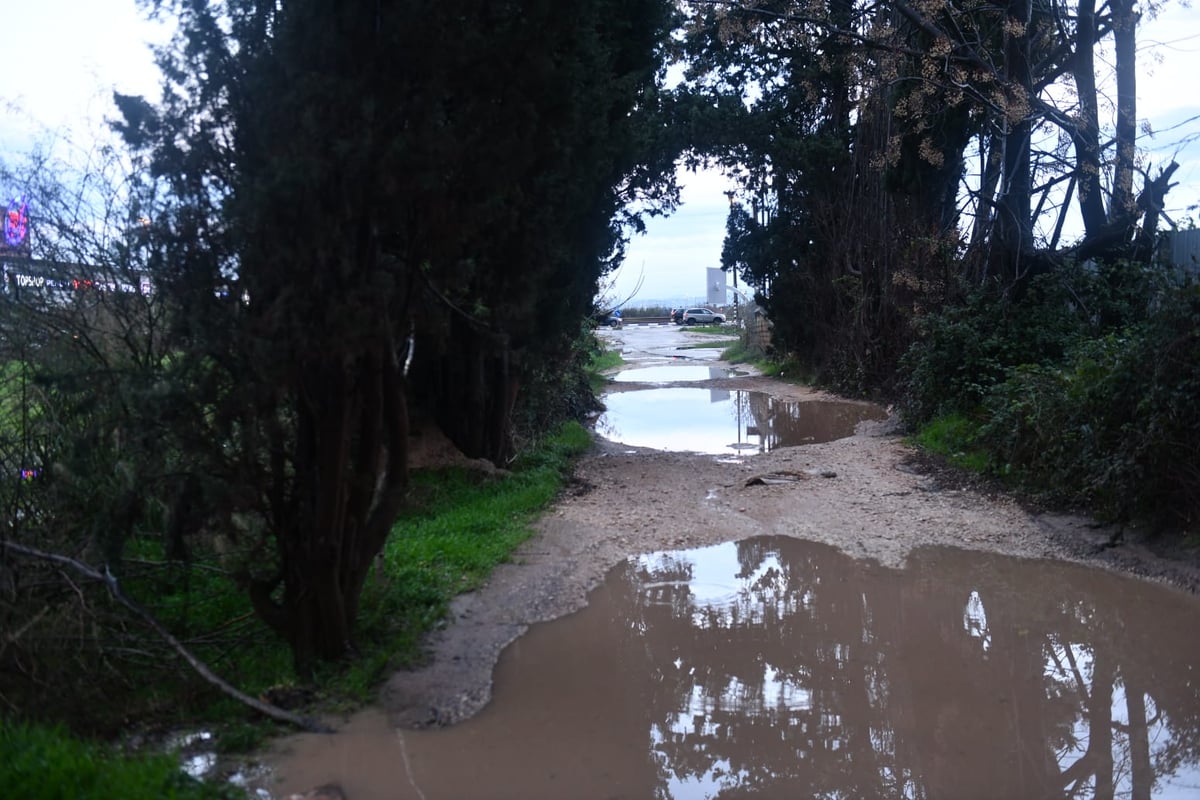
(457, 527)
(954, 438)
(722, 344)
(788, 370)
(605, 360)
(462, 525)
(602, 362)
(43, 763)
(717, 330)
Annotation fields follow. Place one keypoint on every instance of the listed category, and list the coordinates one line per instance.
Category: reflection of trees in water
(821, 676)
(780, 423)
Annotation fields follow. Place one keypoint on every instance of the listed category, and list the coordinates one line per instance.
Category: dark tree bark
(1124, 204)
(1014, 244)
(468, 386)
(1086, 133)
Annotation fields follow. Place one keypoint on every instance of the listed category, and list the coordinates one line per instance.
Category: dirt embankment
(869, 495)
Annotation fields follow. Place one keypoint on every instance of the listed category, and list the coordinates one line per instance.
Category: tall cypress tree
(347, 178)
(559, 98)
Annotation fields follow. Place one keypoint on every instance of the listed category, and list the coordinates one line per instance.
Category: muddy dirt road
(878, 502)
(867, 495)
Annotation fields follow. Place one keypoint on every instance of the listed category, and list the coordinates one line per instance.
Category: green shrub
(956, 438)
(1084, 388)
(964, 351)
(1116, 425)
(557, 389)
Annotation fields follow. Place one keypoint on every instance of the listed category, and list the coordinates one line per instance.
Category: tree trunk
(350, 462)
(1014, 220)
(319, 629)
(1151, 204)
(1124, 205)
(1086, 134)
(474, 390)
(992, 165)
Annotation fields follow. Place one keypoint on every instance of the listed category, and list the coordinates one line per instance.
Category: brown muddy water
(725, 421)
(774, 667)
(673, 374)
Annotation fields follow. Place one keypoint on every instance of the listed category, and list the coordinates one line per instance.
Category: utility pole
(731, 195)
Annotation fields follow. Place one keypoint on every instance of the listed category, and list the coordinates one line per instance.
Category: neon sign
(16, 222)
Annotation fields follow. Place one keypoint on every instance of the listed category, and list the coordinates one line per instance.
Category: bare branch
(202, 669)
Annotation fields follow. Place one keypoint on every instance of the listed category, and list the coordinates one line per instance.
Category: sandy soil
(869, 495)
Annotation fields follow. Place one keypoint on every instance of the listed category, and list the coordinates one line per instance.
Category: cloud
(63, 58)
(670, 259)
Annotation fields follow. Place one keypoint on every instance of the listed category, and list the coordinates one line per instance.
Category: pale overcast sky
(68, 55)
(63, 58)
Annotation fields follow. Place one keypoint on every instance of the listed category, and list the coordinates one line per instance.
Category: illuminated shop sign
(16, 223)
(16, 227)
(17, 281)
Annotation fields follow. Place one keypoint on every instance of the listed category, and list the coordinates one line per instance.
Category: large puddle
(725, 421)
(671, 374)
(774, 668)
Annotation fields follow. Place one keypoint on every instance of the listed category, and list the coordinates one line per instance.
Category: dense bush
(966, 350)
(1084, 387)
(555, 392)
(1116, 425)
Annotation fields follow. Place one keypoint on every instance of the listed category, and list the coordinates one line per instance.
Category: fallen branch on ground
(110, 581)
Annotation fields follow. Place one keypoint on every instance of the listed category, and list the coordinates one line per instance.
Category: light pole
(731, 195)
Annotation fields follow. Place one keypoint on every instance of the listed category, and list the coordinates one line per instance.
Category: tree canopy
(367, 208)
(357, 215)
(893, 154)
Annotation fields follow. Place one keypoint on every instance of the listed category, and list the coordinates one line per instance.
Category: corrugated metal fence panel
(1185, 250)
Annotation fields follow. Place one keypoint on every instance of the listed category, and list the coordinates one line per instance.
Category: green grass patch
(789, 370)
(201, 604)
(42, 763)
(605, 360)
(714, 330)
(461, 525)
(954, 437)
(715, 343)
(737, 352)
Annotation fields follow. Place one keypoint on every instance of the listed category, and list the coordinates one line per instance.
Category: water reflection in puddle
(724, 421)
(774, 667)
(668, 374)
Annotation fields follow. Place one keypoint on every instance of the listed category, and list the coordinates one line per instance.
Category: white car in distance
(701, 316)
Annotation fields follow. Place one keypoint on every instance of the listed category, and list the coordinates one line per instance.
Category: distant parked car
(677, 316)
(702, 316)
(613, 320)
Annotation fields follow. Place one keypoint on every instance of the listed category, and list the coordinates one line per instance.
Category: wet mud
(693, 625)
(775, 667)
